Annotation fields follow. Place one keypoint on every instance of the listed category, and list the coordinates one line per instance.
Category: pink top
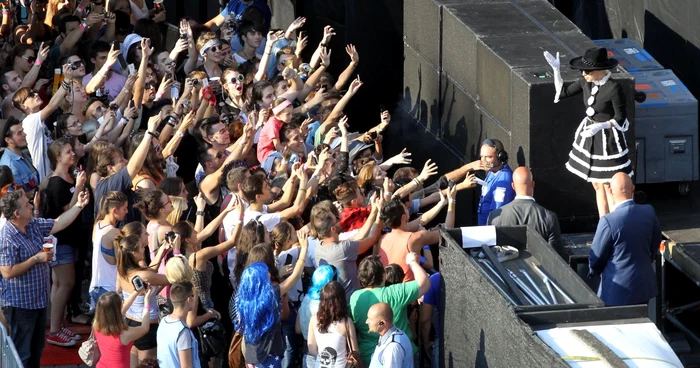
(113, 354)
(269, 131)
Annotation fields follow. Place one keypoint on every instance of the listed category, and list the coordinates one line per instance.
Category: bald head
(381, 312)
(522, 181)
(621, 187)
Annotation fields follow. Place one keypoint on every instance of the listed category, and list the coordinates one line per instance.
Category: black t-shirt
(58, 194)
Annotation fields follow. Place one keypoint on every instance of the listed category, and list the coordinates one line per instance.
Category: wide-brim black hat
(594, 59)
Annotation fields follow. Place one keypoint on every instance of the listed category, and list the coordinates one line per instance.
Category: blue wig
(258, 308)
(320, 278)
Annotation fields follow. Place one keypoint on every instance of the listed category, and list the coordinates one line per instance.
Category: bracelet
(176, 252)
(180, 134)
(65, 85)
(152, 134)
(124, 90)
(451, 201)
(388, 193)
(81, 8)
(302, 189)
(36, 259)
(324, 44)
(83, 26)
(38, 62)
(199, 213)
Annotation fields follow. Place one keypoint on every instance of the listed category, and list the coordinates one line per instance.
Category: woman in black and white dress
(600, 149)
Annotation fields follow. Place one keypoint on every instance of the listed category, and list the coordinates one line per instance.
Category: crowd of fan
(215, 191)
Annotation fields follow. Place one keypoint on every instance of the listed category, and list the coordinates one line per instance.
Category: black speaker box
(421, 83)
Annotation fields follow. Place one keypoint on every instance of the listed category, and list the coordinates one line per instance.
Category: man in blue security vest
(497, 190)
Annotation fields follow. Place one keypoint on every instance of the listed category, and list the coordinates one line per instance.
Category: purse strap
(347, 337)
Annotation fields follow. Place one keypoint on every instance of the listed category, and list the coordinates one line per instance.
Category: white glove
(592, 129)
(555, 64)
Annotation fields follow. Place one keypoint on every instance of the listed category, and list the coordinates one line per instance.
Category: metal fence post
(10, 358)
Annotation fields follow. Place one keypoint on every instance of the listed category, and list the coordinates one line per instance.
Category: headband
(281, 107)
(211, 43)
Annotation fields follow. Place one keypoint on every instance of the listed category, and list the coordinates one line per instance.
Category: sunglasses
(216, 48)
(30, 59)
(238, 79)
(149, 85)
(75, 64)
(170, 63)
(33, 93)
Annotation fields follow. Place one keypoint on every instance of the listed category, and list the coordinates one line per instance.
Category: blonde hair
(178, 269)
(179, 207)
(108, 315)
(366, 175)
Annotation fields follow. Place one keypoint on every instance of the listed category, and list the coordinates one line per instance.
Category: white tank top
(332, 348)
(139, 13)
(104, 275)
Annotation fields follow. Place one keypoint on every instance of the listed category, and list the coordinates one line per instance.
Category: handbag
(352, 358)
(212, 338)
(235, 352)
(89, 352)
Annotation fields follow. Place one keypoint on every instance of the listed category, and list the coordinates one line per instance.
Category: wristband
(159, 96)
(176, 252)
(388, 193)
(124, 90)
(324, 44)
(83, 26)
(152, 134)
(123, 121)
(81, 8)
(451, 201)
(36, 259)
(37, 62)
(199, 213)
(426, 247)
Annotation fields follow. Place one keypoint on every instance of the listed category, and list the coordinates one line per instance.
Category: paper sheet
(476, 236)
(642, 343)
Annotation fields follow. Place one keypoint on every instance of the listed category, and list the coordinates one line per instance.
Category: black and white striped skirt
(598, 158)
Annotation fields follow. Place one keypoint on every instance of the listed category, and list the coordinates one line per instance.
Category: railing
(9, 358)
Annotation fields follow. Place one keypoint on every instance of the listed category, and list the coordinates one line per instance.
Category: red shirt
(269, 131)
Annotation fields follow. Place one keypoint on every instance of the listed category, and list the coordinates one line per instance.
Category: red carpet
(57, 355)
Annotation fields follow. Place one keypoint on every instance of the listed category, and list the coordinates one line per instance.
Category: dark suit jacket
(624, 247)
(523, 211)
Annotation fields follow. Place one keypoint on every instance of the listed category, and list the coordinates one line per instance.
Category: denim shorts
(64, 254)
(95, 294)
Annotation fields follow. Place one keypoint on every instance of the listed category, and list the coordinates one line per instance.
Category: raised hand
(200, 202)
(80, 180)
(83, 199)
(343, 126)
(326, 57)
(552, 61)
(303, 236)
(328, 33)
(113, 56)
(145, 48)
(352, 52)
(43, 52)
(429, 169)
(403, 158)
(302, 42)
(355, 85)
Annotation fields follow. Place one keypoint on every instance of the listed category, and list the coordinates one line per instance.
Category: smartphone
(121, 60)
(114, 107)
(138, 283)
(170, 236)
(183, 36)
(373, 135)
(132, 69)
(288, 260)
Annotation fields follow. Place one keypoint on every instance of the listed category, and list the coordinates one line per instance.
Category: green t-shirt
(398, 296)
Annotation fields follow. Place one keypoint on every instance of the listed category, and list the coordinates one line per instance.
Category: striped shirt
(30, 290)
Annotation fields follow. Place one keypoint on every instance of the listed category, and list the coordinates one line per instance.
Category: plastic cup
(48, 247)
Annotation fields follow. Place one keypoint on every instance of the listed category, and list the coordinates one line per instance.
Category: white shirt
(296, 294)
(525, 197)
(37, 143)
(616, 205)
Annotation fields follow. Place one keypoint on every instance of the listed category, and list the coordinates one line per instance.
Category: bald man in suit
(523, 210)
(624, 247)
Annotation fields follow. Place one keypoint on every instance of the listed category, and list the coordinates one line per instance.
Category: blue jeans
(27, 331)
(290, 337)
(95, 294)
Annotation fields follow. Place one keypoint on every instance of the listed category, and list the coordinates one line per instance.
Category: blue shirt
(31, 290)
(313, 127)
(432, 297)
(393, 350)
(497, 192)
(235, 9)
(22, 169)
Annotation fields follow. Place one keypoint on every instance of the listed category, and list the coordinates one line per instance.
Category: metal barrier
(9, 358)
